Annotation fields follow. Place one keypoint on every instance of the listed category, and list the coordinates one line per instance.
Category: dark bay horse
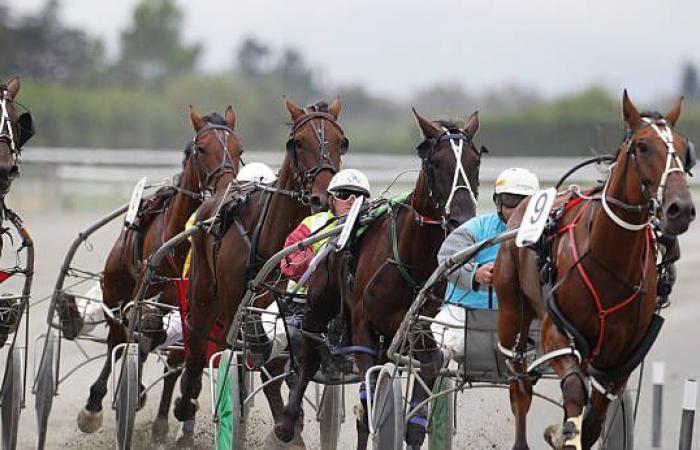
(15, 130)
(385, 282)
(215, 152)
(223, 262)
(604, 272)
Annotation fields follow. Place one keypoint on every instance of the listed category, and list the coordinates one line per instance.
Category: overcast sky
(397, 46)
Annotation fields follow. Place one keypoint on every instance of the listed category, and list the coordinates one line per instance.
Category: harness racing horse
(391, 260)
(599, 318)
(225, 259)
(15, 130)
(214, 152)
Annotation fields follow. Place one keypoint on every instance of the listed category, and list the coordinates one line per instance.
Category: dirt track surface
(484, 416)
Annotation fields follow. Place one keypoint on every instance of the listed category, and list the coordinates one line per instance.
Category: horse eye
(642, 147)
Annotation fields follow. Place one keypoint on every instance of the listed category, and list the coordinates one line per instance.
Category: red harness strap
(603, 312)
(420, 218)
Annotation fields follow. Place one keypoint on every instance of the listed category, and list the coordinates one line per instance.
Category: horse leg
(568, 435)
(594, 416)
(273, 391)
(510, 335)
(430, 359)
(309, 362)
(159, 429)
(90, 417)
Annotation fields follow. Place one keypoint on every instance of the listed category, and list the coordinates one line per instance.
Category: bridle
(460, 180)
(306, 176)
(6, 126)
(226, 166)
(673, 164)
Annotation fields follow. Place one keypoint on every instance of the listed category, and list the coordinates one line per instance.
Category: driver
(471, 284)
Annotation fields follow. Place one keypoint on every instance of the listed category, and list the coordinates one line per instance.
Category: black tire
(618, 431)
(330, 416)
(127, 396)
(12, 399)
(45, 388)
(387, 415)
(442, 416)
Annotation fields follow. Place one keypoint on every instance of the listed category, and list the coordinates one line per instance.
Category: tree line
(80, 98)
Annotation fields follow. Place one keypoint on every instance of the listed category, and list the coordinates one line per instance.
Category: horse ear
(428, 128)
(335, 107)
(13, 88)
(197, 122)
(471, 125)
(629, 112)
(230, 117)
(675, 112)
(295, 110)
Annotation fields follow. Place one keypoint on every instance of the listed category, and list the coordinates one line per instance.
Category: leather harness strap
(603, 312)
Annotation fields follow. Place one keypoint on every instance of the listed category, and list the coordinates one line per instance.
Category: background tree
(251, 57)
(40, 47)
(152, 50)
(689, 82)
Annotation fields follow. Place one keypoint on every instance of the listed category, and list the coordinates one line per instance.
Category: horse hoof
(88, 421)
(415, 435)
(185, 410)
(550, 435)
(159, 430)
(284, 432)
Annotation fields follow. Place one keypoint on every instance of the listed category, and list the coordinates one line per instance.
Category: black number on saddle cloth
(539, 208)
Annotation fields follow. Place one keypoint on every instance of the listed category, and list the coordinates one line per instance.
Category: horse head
(450, 167)
(15, 131)
(214, 151)
(655, 163)
(316, 143)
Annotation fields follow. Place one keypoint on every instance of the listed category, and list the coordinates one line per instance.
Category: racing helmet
(256, 172)
(516, 181)
(351, 180)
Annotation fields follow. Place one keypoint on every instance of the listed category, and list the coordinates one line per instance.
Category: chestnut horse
(601, 313)
(223, 262)
(385, 281)
(214, 152)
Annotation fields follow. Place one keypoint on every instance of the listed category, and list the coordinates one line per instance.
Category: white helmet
(517, 181)
(351, 180)
(257, 172)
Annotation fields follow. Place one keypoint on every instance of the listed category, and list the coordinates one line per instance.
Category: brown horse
(603, 259)
(385, 282)
(222, 262)
(214, 153)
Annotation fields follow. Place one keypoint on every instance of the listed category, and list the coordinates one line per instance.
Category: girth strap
(396, 258)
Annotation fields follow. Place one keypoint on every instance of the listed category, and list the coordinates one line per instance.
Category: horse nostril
(14, 171)
(673, 210)
(315, 202)
(692, 212)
